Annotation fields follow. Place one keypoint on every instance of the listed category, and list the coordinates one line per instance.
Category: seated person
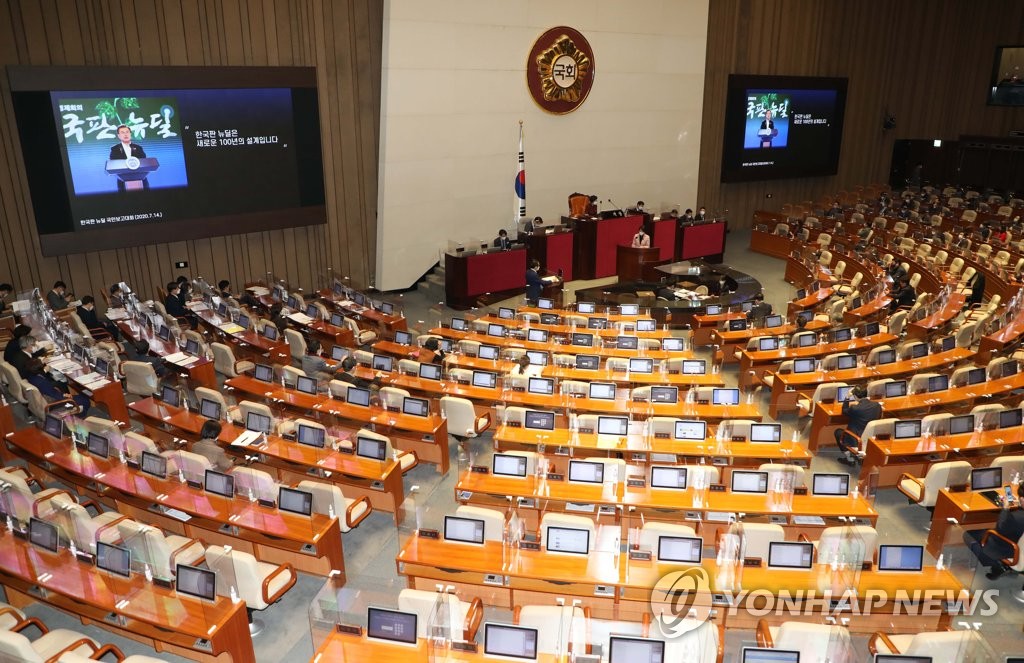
(87, 314)
(536, 224)
(859, 410)
(209, 448)
(903, 296)
(502, 241)
(139, 351)
(32, 370)
(1009, 525)
(591, 206)
(314, 365)
(12, 346)
(347, 374)
(116, 296)
(224, 286)
(524, 367)
(5, 291)
(173, 303)
(638, 209)
(59, 297)
(760, 309)
(977, 286)
(431, 353)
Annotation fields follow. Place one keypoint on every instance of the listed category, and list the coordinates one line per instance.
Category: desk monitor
(357, 396)
(1010, 418)
(597, 323)
(538, 420)
(690, 430)
(900, 558)
(855, 304)
(488, 351)
(918, 350)
(585, 471)
(541, 386)
(906, 430)
(222, 310)
(602, 391)
(806, 316)
(53, 426)
(787, 555)
(1008, 368)
(806, 340)
(459, 324)
(765, 655)
(871, 329)
(97, 445)
(210, 409)
(963, 423)
(506, 313)
(403, 338)
(430, 371)
(164, 334)
(987, 478)
(585, 307)
(627, 342)
(537, 357)
(582, 339)
(773, 321)
(463, 530)
(484, 379)
(372, 448)
(641, 365)
(359, 298)
(153, 464)
(646, 325)
(685, 549)
(588, 362)
(546, 304)
(843, 393)
(263, 373)
(508, 465)
(170, 396)
(219, 483)
(901, 658)
(339, 352)
(550, 319)
(947, 343)
(725, 396)
(976, 375)
(664, 394)
(511, 641)
(635, 650)
(938, 383)
(312, 311)
(537, 335)
(243, 321)
(747, 307)
(713, 309)
(43, 534)
(804, 365)
(311, 436)
(382, 363)
(114, 559)
(495, 330)
(102, 366)
(830, 485)
(195, 582)
(737, 324)
(629, 309)
(672, 344)
(846, 362)
(842, 335)
(306, 385)
(768, 343)
(668, 476)
(417, 407)
(613, 426)
(749, 481)
(191, 347)
(337, 319)
(695, 366)
(292, 302)
(260, 423)
(896, 389)
(387, 308)
(568, 540)
(800, 294)
(446, 345)
(766, 433)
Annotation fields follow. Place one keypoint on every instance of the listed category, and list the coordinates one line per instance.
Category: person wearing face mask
(641, 240)
(700, 214)
(87, 314)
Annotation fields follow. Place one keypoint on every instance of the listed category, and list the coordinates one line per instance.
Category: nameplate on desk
(346, 450)
(132, 463)
(513, 424)
(194, 484)
(527, 502)
(690, 515)
(776, 519)
(480, 469)
(661, 436)
(800, 490)
(270, 504)
(866, 565)
(392, 408)
(460, 382)
(529, 545)
(166, 583)
(520, 389)
(703, 401)
(561, 451)
(637, 399)
(738, 438)
(349, 629)
(751, 561)
(958, 488)
(883, 436)
(636, 483)
(717, 488)
(579, 508)
(640, 555)
(586, 431)
(719, 461)
(555, 477)
(464, 646)
(83, 557)
(604, 590)
(428, 533)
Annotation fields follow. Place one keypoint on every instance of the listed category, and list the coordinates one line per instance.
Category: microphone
(612, 202)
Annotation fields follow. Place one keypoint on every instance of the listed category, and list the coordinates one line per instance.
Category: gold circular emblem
(560, 70)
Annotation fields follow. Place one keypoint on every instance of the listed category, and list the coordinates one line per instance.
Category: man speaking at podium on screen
(126, 149)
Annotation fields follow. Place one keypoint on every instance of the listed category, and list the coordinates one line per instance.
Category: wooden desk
(310, 544)
(596, 242)
(567, 330)
(755, 364)
(380, 482)
(350, 648)
(937, 321)
(731, 342)
(967, 508)
(704, 326)
(247, 343)
(467, 277)
(630, 262)
(554, 251)
(1003, 340)
(158, 617)
(110, 395)
(382, 322)
(199, 372)
(551, 346)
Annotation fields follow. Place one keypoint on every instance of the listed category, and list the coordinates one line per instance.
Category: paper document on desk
(198, 306)
(63, 365)
(96, 384)
(258, 290)
(181, 359)
(246, 438)
(550, 279)
(808, 520)
(230, 328)
(300, 318)
(177, 514)
(115, 314)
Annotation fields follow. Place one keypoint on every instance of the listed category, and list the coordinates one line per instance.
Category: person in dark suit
(701, 213)
(760, 309)
(13, 347)
(994, 550)
(124, 149)
(87, 314)
(903, 296)
(536, 224)
(224, 286)
(345, 374)
(977, 286)
(534, 284)
(502, 241)
(59, 297)
(116, 296)
(5, 291)
(173, 302)
(859, 412)
(767, 130)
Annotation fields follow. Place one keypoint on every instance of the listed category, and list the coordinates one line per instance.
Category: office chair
(924, 492)
(815, 642)
(328, 496)
(259, 584)
(462, 618)
(140, 378)
(224, 361)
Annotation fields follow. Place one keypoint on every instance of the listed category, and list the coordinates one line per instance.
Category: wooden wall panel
(927, 62)
(342, 38)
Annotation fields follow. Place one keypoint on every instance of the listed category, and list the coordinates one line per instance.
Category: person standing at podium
(641, 240)
(534, 284)
(126, 149)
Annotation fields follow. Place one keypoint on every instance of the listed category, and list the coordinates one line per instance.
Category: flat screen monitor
(459, 324)
(602, 390)
(391, 625)
(629, 309)
(170, 396)
(260, 423)
(357, 396)
(635, 650)
(114, 559)
(768, 343)
(918, 350)
(773, 321)
(613, 426)
(907, 430)
(806, 340)
(263, 373)
(311, 436)
(664, 394)
(537, 335)
(417, 407)
(986, 478)
(337, 319)
(672, 344)
(626, 342)
(766, 655)
(976, 375)
(896, 389)
(668, 476)
(488, 351)
(766, 433)
(646, 325)
(582, 339)
(164, 333)
(387, 308)
(588, 362)
(506, 313)
(690, 430)
(1008, 368)
(219, 483)
(510, 641)
(292, 302)
(963, 423)
(842, 393)
(446, 345)
(725, 396)
(97, 445)
(585, 307)
(537, 420)
(737, 324)
(243, 321)
(339, 352)
(885, 356)
(842, 335)
(53, 426)
(902, 658)
(306, 385)
(493, 329)
(585, 471)
(831, 485)
(804, 365)
(871, 329)
(568, 540)
(597, 323)
(382, 363)
(900, 558)
(546, 304)
(806, 316)
(713, 309)
(484, 379)
(800, 294)
(695, 366)
(403, 338)
(747, 307)
(641, 365)
(508, 465)
(550, 319)
(153, 464)
(947, 343)
(372, 448)
(430, 371)
(209, 409)
(191, 347)
(537, 358)
(846, 362)
(43, 534)
(685, 549)
(541, 386)
(463, 530)
(786, 555)
(938, 383)
(749, 481)
(1010, 418)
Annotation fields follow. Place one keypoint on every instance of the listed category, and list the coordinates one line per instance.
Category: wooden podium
(630, 262)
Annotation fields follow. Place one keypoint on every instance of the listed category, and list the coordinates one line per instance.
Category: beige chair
(514, 415)
(23, 502)
(552, 519)
(149, 545)
(257, 583)
(463, 421)
(12, 380)
(919, 383)
(405, 459)
(494, 520)
(228, 412)
(469, 348)
(257, 483)
(392, 397)
(559, 628)
(136, 443)
(328, 497)
(39, 407)
(10, 618)
(247, 407)
(361, 336)
(409, 367)
(794, 475)
(815, 642)
(940, 475)
(291, 375)
(190, 465)
(140, 378)
(1010, 464)
(652, 530)
(51, 646)
(839, 543)
(462, 618)
(192, 335)
(758, 537)
(296, 343)
(76, 524)
(224, 361)
(363, 357)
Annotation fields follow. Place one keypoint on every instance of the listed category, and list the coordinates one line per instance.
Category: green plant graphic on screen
(109, 109)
